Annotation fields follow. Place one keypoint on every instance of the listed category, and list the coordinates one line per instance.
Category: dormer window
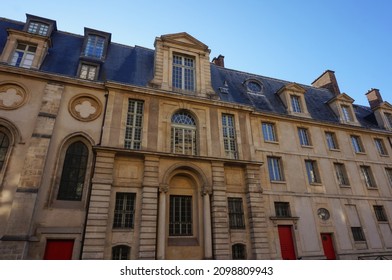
(183, 73)
(88, 71)
(253, 86)
(293, 97)
(347, 117)
(95, 46)
(342, 106)
(24, 55)
(39, 28)
(388, 116)
(296, 103)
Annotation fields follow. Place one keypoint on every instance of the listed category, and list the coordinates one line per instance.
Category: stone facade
(202, 163)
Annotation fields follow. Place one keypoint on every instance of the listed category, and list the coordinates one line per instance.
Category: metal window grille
(120, 252)
(275, 169)
(74, 172)
(269, 132)
(4, 145)
(238, 252)
(296, 103)
(282, 209)
(23, 55)
(183, 76)
(368, 176)
(331, 141)
(183, 137)
(312, 171)
(304, 139)
(134, 126)
(229, 138)
(95, 46)
(380, 213)
(358, 234)
(236, 213)
(124, 210)
(341, 174)
(180, 220)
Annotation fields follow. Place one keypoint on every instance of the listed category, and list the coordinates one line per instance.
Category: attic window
(95, 46)
(254, 86)
(39, 28)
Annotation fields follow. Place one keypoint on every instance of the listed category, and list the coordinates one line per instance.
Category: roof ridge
(11, 20)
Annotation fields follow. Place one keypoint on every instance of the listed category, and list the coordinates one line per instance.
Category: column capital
(163, 188)
(206, 190)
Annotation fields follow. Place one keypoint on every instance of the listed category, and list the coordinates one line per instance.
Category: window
(358, 234)
(282, 209)
(38, 28)
(180, 221)
(331, 141)
(357, 144)
(380, 147)
(312, 172)
(88, 72)
(23, 55)
(341, 174)
(236, 213)
(120, 252)
(389, 174)
(296, 103)
(368, 176)
(380, 213)
(4, 145)
(95, 46)
(74, 172)
(183, 137)
(124, 210)
(238, 252)
(304, 138)
(133, 129)
(269, 132)
(183, 73)
(229, 139)
(275, 169)
(347, 117)
(388, 116)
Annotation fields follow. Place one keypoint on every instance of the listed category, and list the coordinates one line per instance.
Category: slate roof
(134, 66)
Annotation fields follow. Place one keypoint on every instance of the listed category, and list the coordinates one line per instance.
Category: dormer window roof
(293, 97)
(39, 26)
(342, 106)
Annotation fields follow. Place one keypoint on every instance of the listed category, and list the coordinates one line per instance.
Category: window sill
(316, 184)
(372, 188)
(345, 186)
(276, 218)
(307, 146)
(278, 182)
(360, 153)
(122, 229)
(271, 142)
(334, 150)
(384, 155)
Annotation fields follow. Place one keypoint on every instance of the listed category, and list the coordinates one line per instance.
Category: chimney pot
(219, 61)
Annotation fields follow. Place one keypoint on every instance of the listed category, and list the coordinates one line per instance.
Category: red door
(286, 243)
(329, 250)
(58, 249)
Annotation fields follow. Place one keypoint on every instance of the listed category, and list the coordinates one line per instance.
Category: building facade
(110, 151)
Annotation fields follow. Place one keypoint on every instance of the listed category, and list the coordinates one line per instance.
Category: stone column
(207, 224)
(161, 252)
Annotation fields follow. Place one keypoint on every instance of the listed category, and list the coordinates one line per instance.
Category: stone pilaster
(149, 211)
(98, 211)
(256, 212)
(22, 212)
(220, 223)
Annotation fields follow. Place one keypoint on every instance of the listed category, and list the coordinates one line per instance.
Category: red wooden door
(58, 249)
(286, 243)
(329, 250)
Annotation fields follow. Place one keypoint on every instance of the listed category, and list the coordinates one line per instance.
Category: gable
(342, 98)
(185, 40)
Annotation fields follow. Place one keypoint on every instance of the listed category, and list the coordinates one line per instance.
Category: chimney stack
(374, 98)
(327, 80)
(219, 61)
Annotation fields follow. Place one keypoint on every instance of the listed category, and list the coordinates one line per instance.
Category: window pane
(95, 46)
(4, 144)
(331, 140)
(312, 171)
(236, 213)
(357, 144)
(133, 129)
(183, 73)
(368, 176)
(296, 103)
(275, 169)
(303, 137)
(124, 210)
(183, 138)
(180, 220)
(120, 252)
(380, 213)
(238, 252)
(74, 172)
(269, 132)
(229, 139)
(282, 209)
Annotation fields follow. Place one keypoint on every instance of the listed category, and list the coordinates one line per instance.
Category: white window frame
(312, 172)
(357, 144)
(381, 149)
(368, 177)
(183, 74)
(269, 132)
(275, 169)
(134, 125)
(296, 105)
(304, 137)
(23, 56)
(229, 136)
(341, 174)
(331, 139)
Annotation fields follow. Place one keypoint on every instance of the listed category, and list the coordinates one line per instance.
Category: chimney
(327, 80)
(374, 98)
(219, 61)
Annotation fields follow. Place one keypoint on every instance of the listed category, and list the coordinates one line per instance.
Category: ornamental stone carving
(85, 107)
(12, 96)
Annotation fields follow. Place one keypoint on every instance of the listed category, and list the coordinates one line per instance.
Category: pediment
(342, 98)
(184, 39)
(292, 87)
(386, 106)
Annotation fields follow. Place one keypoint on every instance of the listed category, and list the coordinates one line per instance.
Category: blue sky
(289, 40)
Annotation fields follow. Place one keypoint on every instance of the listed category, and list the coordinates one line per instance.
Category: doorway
(329, 250)
(286, 242)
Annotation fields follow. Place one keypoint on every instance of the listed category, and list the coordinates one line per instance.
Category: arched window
(4, 145)
(74, 172)
(120, 252)
(238, 252)
(183, 137)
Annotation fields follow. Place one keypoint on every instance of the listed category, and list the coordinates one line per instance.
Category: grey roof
(134, 66)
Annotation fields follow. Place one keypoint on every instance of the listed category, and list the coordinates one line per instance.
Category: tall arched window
(183, 137)
(74, 172)
(4, 145)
